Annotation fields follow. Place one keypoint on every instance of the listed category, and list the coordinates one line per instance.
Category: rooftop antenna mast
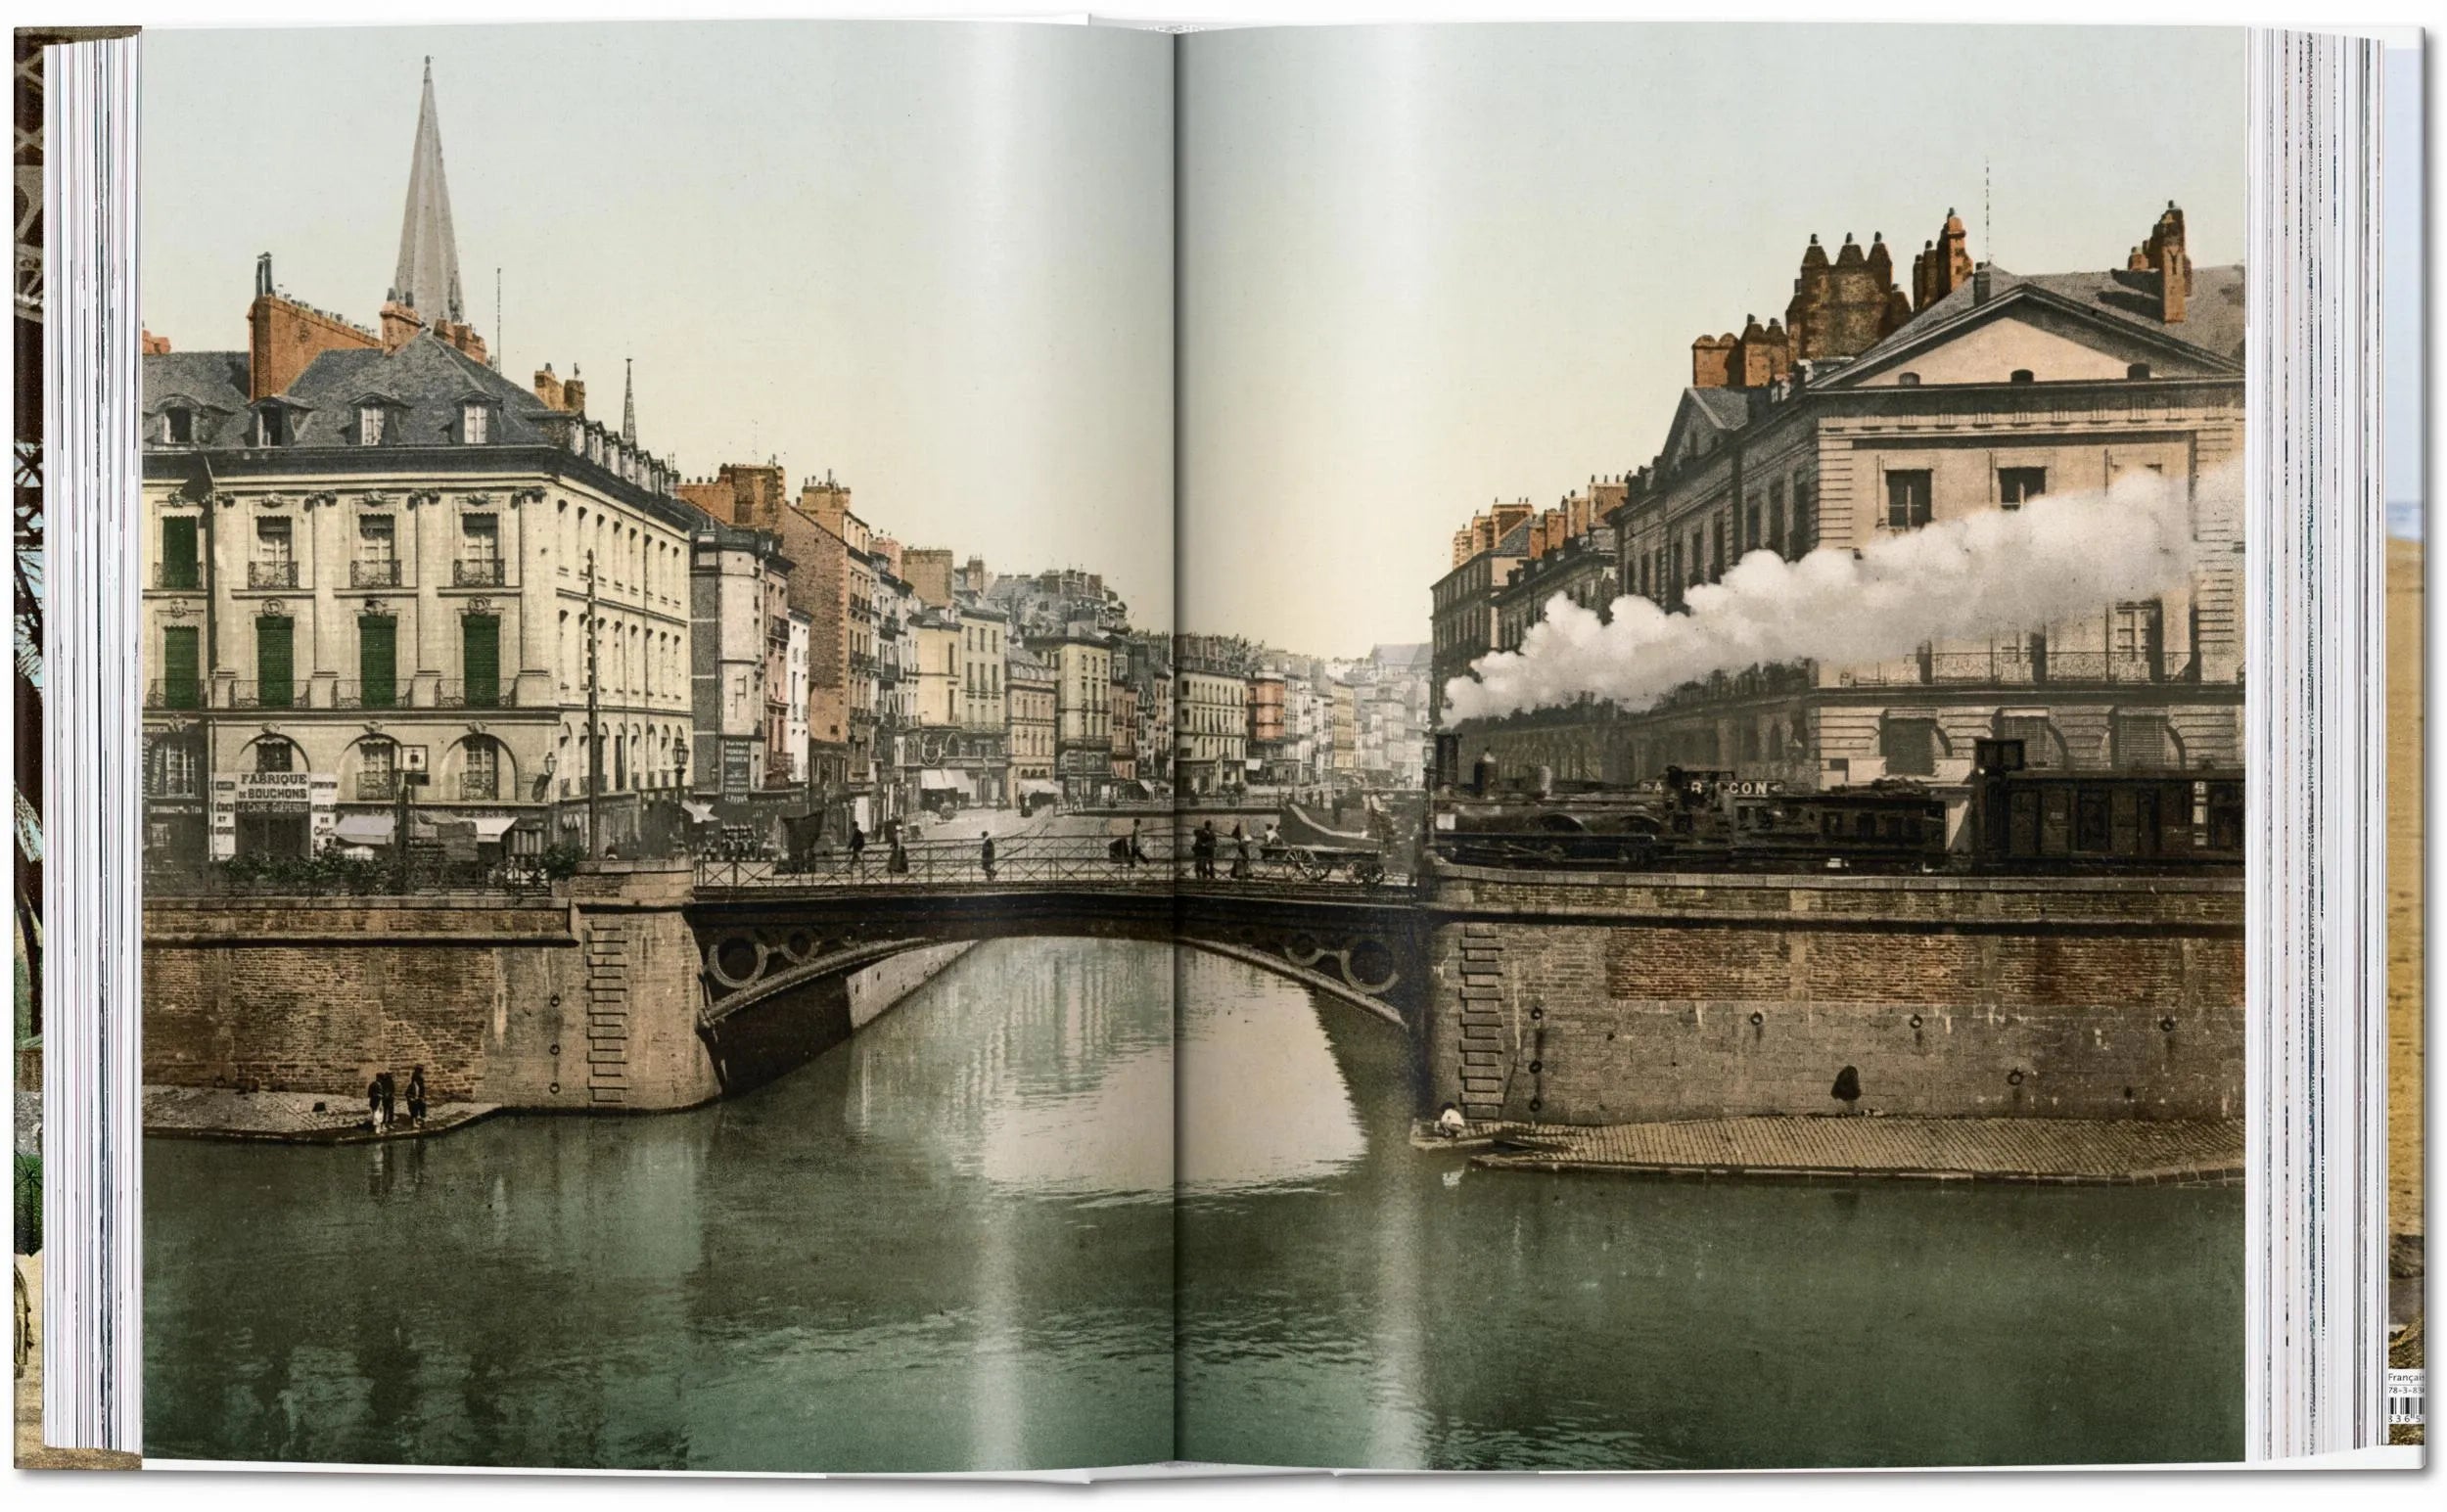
(1988, 228)
(496, 315)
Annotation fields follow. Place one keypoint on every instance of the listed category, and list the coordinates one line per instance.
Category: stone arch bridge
(777, 960)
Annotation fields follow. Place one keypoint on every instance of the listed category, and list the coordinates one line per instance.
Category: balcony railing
(265, 695)
(374, 574)
(376, 787)
(455, 694)
(161, 694)
(177, 575)
(271, 575)
(479, 787)
(369, 695)
(2056, 667)
(478, 572)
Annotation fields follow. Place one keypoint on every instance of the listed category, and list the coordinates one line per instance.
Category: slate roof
(216, 381)
(1730, 408)
(2213, 312)
(427, 379)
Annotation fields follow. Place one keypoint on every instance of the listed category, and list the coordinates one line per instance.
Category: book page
(1736, 529)
(647, 621)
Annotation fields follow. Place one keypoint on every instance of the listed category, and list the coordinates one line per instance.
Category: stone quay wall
(588, 1001)
(1569, 997)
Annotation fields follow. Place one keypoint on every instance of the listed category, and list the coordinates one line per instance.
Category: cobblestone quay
(1566, 997)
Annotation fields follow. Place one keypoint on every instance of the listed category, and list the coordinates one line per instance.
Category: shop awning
(1039, 787)
(702, 813)
(491, 827)
(932, 781)
(364, 829)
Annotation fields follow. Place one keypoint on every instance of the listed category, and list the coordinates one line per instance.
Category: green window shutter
(180, 688)
(480, 646)
(274, 664)
(178, 553)
(378, 660)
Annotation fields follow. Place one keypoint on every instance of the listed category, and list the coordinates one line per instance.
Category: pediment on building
(2057, 329)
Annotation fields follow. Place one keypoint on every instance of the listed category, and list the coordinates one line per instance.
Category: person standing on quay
(374, 1102)
(416, 1096)
(390, 1097)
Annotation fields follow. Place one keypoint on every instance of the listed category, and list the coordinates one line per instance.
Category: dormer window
(178, 427)
(2021, 375)
(475, 422)
(1906, 380)
(2137, 370)
(369, 425)
(271, 426)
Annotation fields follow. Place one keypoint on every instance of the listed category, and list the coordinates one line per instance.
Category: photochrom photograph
(909, 746)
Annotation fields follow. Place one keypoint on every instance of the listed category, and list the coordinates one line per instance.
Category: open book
(892, 747)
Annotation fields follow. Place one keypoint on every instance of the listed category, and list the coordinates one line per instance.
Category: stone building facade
(1995, 391)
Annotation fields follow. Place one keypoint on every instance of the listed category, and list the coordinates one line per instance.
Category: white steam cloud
(1998, 572)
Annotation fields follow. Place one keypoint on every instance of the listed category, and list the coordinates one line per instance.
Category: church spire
(629, 401)
(428, 280)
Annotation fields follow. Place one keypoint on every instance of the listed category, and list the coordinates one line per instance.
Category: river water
(953, 1244)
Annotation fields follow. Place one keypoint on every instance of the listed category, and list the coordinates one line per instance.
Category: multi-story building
(1871, 414)
(896, 686)
(794, 752)
(1210, 730)
(1578, 564)
(1269, 731)
(1029, 680)
(1343, 767)
(371, 554)
(985, 711)
(1485, 554)
(1125, 705)
(1083, 665)
(811, 529)
(739, 593)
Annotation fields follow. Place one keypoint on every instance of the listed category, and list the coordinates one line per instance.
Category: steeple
(629, 401)
(428, 280)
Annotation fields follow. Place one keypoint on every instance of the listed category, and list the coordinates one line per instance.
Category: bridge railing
(1161, 862)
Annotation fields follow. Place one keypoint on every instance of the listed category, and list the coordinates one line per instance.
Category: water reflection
(951, 1245)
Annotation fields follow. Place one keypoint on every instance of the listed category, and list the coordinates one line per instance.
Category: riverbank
(295, 1118)
(2039, 1151)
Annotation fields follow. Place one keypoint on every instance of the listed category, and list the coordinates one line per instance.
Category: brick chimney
(575, 391)
(1710, 361)
(2164, 255)
(153, 345)
(1943, 265)
(548, 387)
(400, 324)
(284, 335)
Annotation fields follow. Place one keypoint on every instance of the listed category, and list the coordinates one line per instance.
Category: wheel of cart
(1368, 870)
(1314, 864)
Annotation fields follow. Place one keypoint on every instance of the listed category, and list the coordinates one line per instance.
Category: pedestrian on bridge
(1240, 852)
(985, 853)
(858, 848)
(1137, 853)
(1202, 850)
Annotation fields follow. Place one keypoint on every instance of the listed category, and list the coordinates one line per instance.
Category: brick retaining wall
(1579, 999)
(589, 1001)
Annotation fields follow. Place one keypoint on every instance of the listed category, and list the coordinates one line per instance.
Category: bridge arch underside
(776, 978)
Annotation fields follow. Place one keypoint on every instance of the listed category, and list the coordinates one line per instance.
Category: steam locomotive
(2006, 819)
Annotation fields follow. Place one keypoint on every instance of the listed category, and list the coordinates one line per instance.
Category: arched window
(2022, 376)
(484, 767)
(378, 769)
(272, 753)
(2137, 370)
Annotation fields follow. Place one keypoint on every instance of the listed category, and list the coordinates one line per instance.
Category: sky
(933, 259)
(1424, 268)
(1421, 268)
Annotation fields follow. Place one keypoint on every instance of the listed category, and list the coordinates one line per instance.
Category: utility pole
(594, 728)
